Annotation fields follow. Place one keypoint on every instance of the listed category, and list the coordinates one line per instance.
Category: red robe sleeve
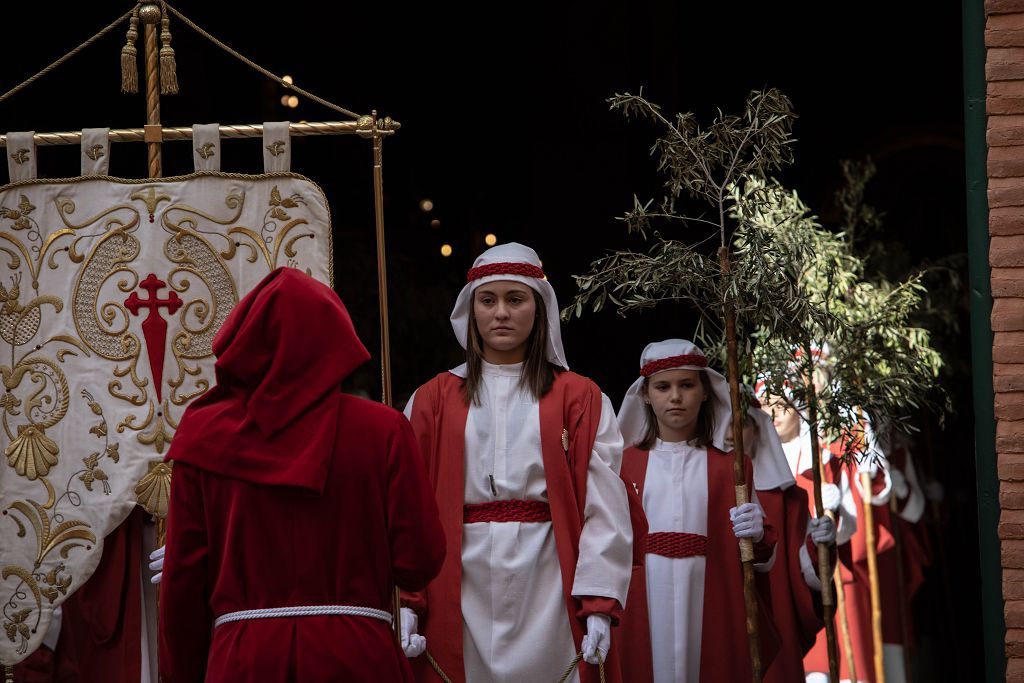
(185, 617)
(414, 526)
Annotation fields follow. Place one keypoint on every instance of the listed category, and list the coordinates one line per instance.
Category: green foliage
(793, 285)
(705, 162)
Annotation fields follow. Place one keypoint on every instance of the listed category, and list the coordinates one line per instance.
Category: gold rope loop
(68, 56)
(576, 661)
(437, 668)
(248, 62)
(565, 676)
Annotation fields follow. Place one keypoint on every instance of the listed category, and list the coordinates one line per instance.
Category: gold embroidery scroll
(111, 292)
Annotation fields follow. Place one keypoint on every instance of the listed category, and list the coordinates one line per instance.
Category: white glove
(823, 530)
(831, 497)
(413, 644)
(934, 491)
(899, 483)
(157, 564)
(598, 638)
(748, 521)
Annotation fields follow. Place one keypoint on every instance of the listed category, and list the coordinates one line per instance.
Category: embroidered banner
(111, 292)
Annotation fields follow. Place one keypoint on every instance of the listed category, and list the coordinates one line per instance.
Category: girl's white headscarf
(673, 354)
(771, 469)
(518, 263)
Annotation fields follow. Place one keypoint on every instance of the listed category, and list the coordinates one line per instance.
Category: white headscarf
(518, 263)
(771, 469)
(673, 354)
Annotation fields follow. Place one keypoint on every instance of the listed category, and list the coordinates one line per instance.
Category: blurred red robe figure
(913, 552)
(288, 493)
(797, 610)
(853, 555)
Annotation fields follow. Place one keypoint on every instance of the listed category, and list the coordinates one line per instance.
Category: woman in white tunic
(524, 458)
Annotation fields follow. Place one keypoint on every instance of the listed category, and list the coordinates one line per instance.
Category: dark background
(507, 130)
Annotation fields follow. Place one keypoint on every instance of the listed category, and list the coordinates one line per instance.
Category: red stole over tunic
(724, 655)
(796, 608)
(439, 416)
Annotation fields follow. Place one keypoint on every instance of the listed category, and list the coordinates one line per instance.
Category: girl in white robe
(674, 420)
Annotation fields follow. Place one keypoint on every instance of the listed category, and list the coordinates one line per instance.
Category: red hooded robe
(287, 492)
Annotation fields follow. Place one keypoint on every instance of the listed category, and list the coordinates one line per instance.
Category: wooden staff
(824, 561)
(869, 523)
(844, 622)
(844, 625)
(739, 478)
(876, 601)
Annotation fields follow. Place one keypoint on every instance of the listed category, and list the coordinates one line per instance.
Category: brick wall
(1004, 70)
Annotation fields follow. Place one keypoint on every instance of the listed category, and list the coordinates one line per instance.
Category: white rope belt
(311, 611)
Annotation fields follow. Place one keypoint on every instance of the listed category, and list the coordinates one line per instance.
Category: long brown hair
(538, 374)
(705, 418)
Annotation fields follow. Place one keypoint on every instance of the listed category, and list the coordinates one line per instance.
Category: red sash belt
(676, 544)
(506, 511)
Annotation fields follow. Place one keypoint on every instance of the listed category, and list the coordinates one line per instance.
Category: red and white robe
(512, 598)
(686, 620)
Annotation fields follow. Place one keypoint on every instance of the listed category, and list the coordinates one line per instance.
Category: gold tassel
(168, 66)
(129, 61)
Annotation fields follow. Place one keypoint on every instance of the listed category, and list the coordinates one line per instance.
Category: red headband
(673, 362)
(509, 268)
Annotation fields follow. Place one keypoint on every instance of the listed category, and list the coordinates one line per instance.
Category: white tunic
(515, 623)
(676, 499)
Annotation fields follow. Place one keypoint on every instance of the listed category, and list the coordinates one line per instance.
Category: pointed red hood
(281, 356)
